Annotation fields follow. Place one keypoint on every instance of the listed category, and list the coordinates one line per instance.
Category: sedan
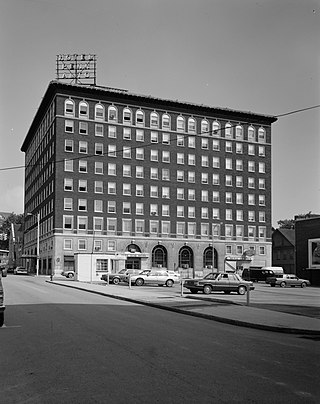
(68, 273)
(149, 277)
(288, 280)
(20, 271)
(219, 282)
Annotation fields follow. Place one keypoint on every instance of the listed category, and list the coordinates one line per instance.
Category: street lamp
(38, 240)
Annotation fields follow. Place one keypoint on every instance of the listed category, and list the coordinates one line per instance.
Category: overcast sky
(261, 56)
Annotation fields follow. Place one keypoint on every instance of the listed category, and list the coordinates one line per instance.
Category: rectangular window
(165, 228)
(139, 172)
(83, 147)
(215, 179)
(180, 211)
(112, 244)
(165, 192)
(112, 169)
(97, 245)
(191, 212)
(180, 158)
(98, 205)
(126, 189)
(154, 137)
(98, 167)
(154, 155)
(165, 174)
(154, 173)
(126, 133)
(191, 194)
(180, 140)
(126, 170)
(180, 175)
(126, 207)
(68, 145)
(112, 188)
(98, 187)
(205, 143)
(68, 184)
(69, 126)
(154, 226)
(204, 213)
(83, 166)
(139, 208)
(82, 244)
(99, 149)
(216, 162)
(112, 207)
(83, 128)
(239, 148)
(153, 192)
(165, 210)
(140, 153)
(139, 190)
(82, 205)
(139, 226)
(181, 228)
(83, 186)
(165, 156)
(204, 161)
(180, 193)
(82, 222)
(165, 138)
(97, 223)
(139, 135)
(112, 132)
(262, 151)
(204, 178)
(68, 165)
(67, 244)
(191, 142)
(111, 225)
(228, 146)
(68, 203)
(98, 129)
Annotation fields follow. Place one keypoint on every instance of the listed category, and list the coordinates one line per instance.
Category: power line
(150, 144)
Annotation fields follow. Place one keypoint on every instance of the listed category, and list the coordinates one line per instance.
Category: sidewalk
(213, 308)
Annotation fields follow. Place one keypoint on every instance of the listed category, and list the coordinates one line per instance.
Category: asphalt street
(61, 345)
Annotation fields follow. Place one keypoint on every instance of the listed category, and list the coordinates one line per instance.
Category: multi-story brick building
(148, 181)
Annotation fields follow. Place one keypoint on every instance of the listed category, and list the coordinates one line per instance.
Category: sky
(261, 56)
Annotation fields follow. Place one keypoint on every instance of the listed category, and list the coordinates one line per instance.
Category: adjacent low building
(148, 182)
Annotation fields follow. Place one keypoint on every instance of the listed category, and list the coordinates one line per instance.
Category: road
(61, 345)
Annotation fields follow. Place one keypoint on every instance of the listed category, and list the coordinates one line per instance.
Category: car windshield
(146, 272)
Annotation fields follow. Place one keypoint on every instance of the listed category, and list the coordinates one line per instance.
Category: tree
(290, 223)
(5, 227)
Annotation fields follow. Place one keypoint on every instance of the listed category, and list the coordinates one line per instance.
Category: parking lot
(303, 301)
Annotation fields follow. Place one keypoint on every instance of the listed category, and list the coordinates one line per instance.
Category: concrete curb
(224, 320)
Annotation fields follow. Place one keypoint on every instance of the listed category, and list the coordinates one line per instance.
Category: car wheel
(207, 289)
(1, 319)
(116, 281)
(282, 284)
(194, 291)
(70, 276)
(169, 283)
(139, 282)
(242, 290)
(303, 284)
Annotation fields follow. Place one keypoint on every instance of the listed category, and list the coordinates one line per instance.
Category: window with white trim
(68, 222)
(83, 186)
(112, 190)
(69, 107)
(98, 205)
(68, 165)
(68, 184)
(83, 110)
(99, 112)
(112, 114)
(83, 128)
(82, 222)
(127, 115)
(82, 205)
(68, 126)
(68, 203)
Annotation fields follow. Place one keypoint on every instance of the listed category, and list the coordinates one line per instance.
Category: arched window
(251, 134)
(83, 110)
(133, 248)
(69, 107)
(228, 130)
(112, 114)
(180, 124)
(208, 258)
(154, 120)
(239, 132)
(261, 135)
(139, 118)
(186, 257)
(99, 112)
(204, 127)
(166, 124)
(127, 115)
(191, 125)
(216, 128)
(159, 257)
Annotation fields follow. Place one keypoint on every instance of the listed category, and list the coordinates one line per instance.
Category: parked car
(288, 280)
(20, 271)
(2, 306)
(68, 273)
(219, 282)
(120, 276)
(153, 277)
